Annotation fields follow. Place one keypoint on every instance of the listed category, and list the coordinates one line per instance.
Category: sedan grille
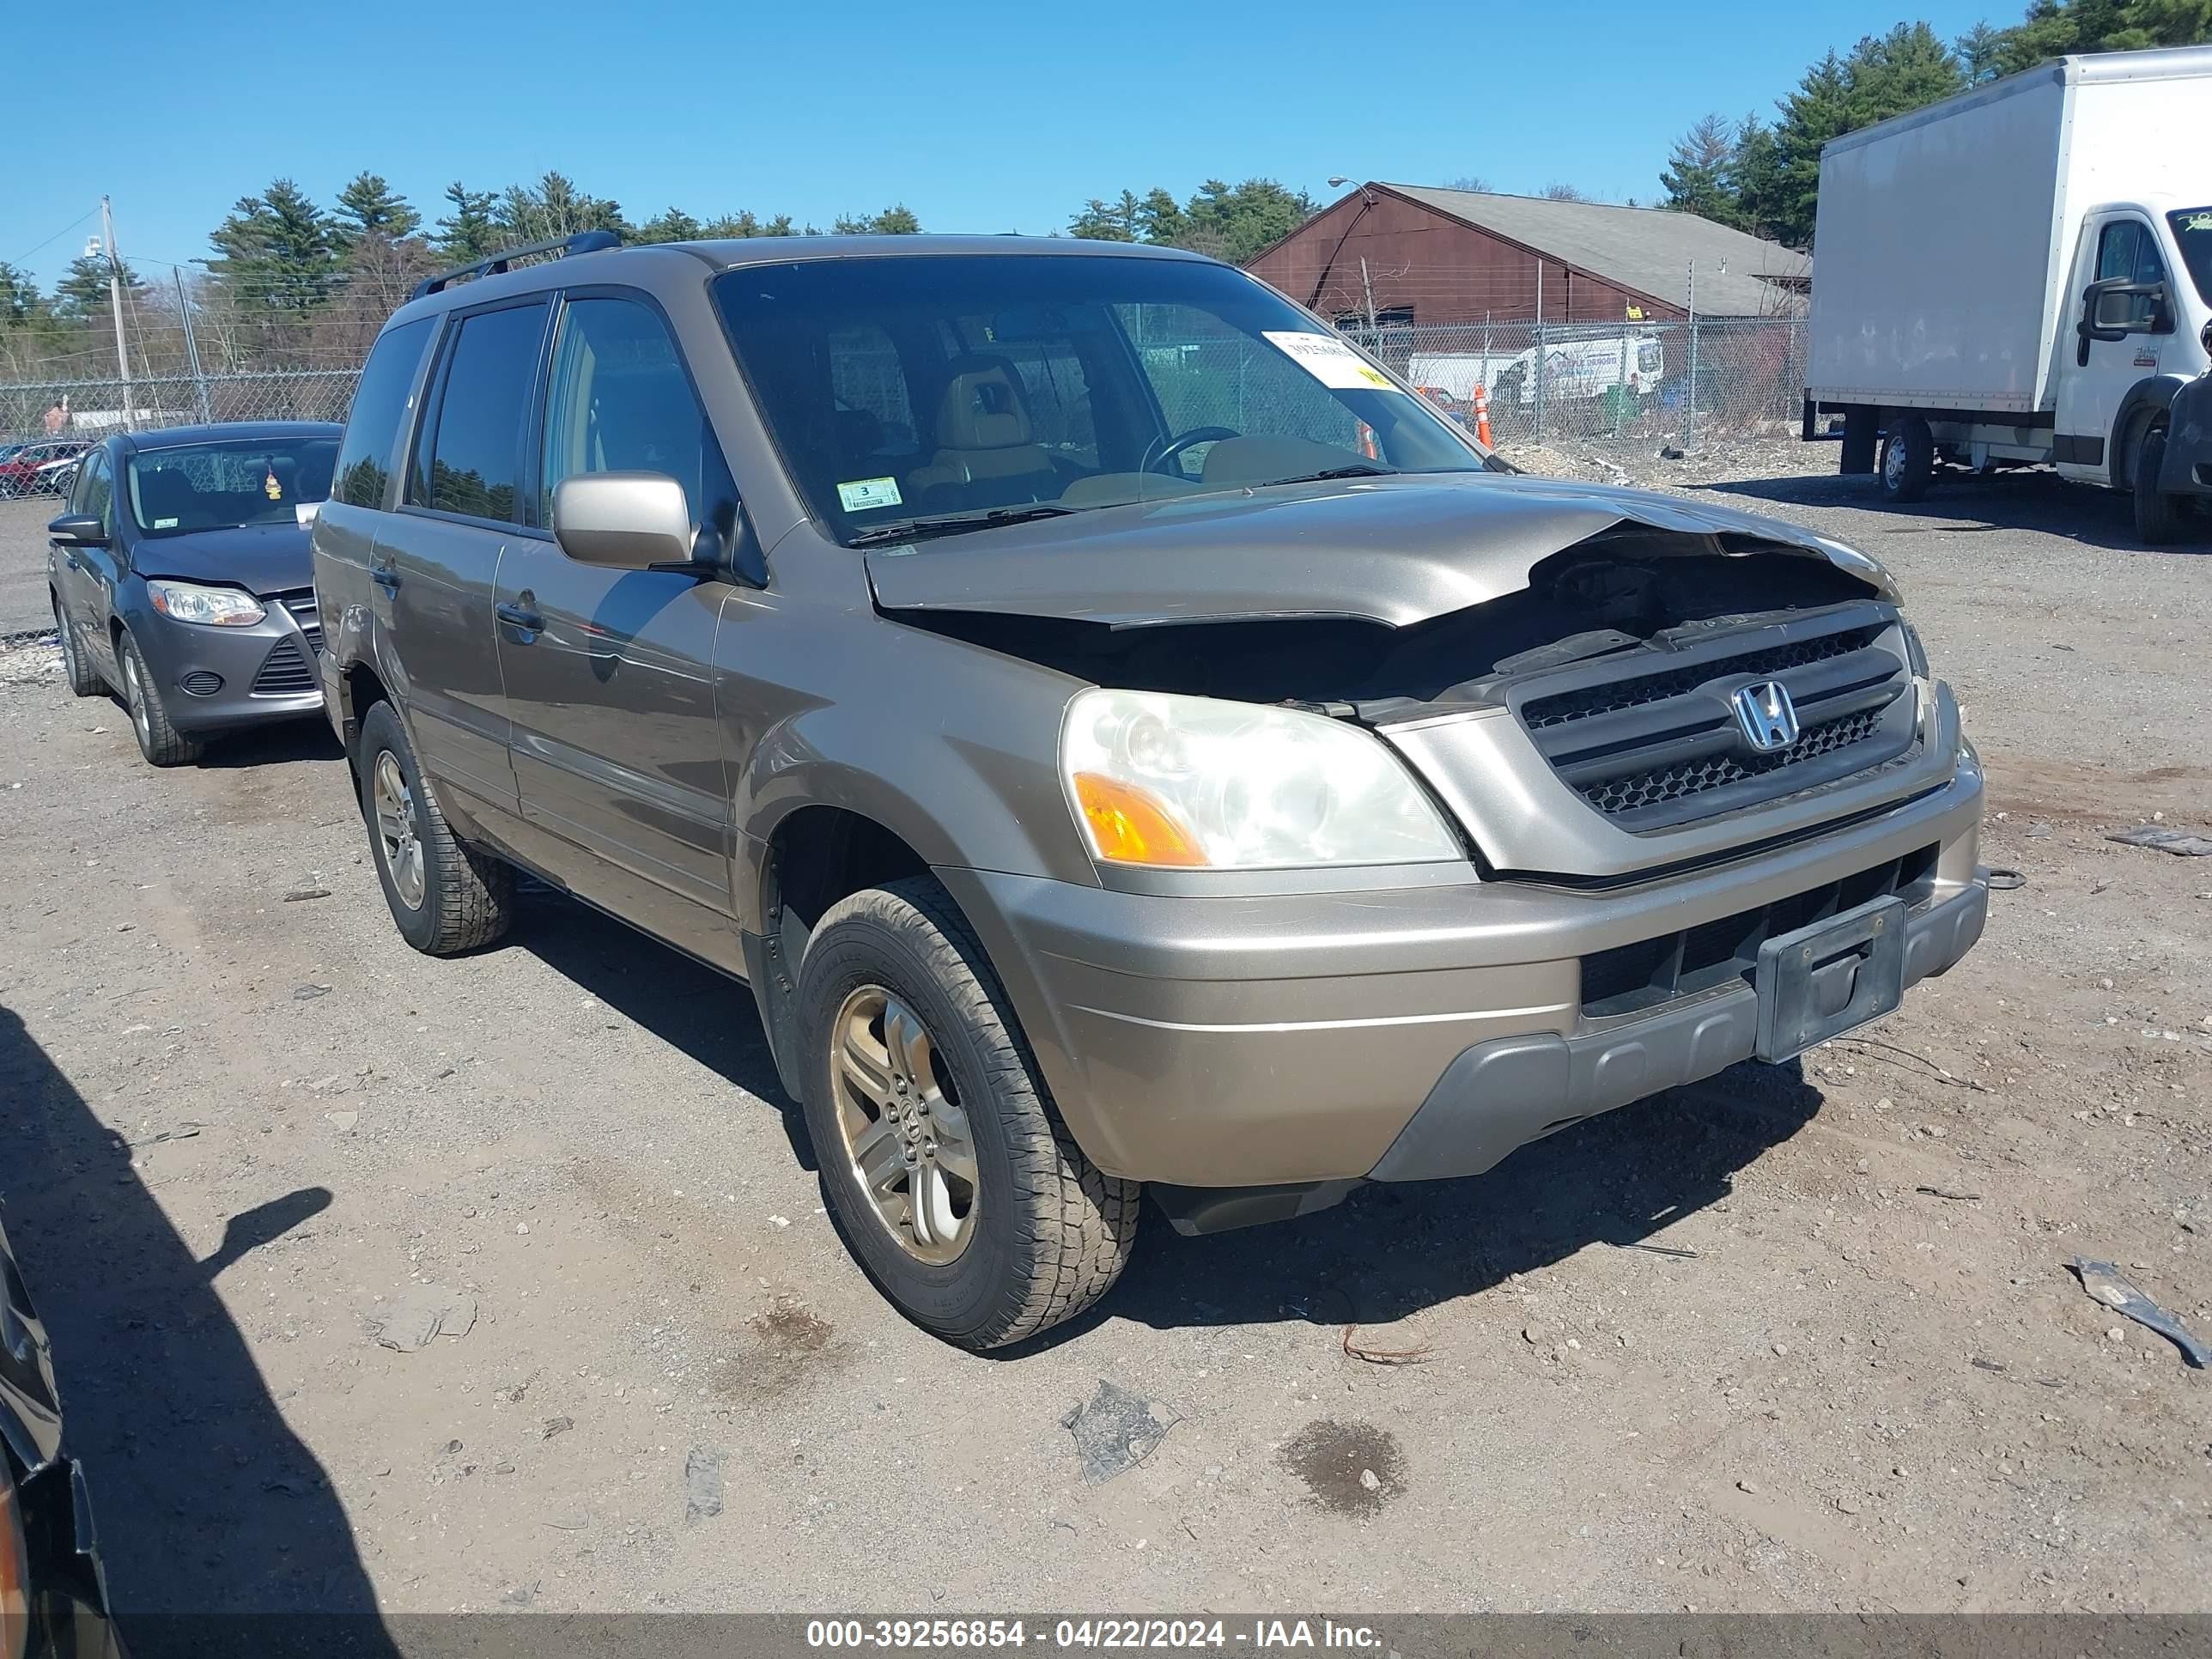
(301, 602)
(284, 672)
(1649, 738)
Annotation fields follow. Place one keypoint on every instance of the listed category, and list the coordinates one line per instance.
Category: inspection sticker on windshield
(1329, 361)
(864, 493)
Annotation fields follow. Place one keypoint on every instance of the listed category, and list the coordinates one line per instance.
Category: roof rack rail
(584, 241)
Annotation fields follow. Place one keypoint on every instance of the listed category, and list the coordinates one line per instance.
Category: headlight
(217, 607)
(1197, 783)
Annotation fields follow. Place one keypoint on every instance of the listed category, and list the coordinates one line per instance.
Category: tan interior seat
(987, 453)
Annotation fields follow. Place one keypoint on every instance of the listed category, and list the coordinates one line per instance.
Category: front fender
(2152, 395)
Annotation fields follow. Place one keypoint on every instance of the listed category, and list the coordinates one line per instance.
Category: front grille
(1648, 738)
(284, 672)
(1616, 796)
(1631, 978)
(301, 602)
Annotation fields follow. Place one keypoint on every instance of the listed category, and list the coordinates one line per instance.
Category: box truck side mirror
(2118, 307)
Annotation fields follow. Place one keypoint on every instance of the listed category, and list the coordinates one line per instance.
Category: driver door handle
(521, 617)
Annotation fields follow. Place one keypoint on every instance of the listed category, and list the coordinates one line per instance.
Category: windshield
(925, 394)
(222, 486)
(2192, 233)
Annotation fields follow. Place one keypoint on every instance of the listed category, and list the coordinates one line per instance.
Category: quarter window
(380, 405)
(95, 490)
(621, 402)
(475, 450)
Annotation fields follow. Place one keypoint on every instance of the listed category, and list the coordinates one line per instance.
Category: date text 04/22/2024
(1253, 1636)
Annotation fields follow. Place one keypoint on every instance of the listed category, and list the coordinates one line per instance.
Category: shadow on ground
(220, 1529)
(694, 1008)
(1960, 504)
(1391, 1251)
(292, 742)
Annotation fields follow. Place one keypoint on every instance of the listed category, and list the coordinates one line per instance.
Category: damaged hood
(261, 558)
(1395, 551)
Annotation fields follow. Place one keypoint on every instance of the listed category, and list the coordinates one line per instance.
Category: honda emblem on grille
(1765, 714)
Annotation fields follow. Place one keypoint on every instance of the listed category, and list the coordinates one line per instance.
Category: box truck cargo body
(2022, 274)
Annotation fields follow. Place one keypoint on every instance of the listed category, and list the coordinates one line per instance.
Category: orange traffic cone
(1482, 415)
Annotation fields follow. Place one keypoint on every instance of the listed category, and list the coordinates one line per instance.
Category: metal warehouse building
(1402, 254)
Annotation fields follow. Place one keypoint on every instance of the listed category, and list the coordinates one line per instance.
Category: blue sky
(981, 115)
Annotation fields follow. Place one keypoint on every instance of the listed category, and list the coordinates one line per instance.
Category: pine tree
(468, 235)
(898, 219)
(369, 206)
(673, 225)
(1696, 177)
(276, 250)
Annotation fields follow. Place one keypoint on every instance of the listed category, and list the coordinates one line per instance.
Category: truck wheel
(160, 742)
(445, 897)
(1908, 459)
(2158, 516)
(83, 680)
(951, 1178)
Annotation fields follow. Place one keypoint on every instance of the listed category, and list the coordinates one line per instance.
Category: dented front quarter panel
(1396, 550)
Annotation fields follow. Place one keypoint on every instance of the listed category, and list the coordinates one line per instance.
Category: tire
(84, 679)
(159, 740)
(1908, 459)
(2158, 515)
(1044, 1232)
(446, 895)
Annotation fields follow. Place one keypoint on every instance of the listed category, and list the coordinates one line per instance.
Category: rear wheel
(1908, 459)
(953, 1179)
(83, 680)
(159, 741)
(2158, 516)
(445, 897)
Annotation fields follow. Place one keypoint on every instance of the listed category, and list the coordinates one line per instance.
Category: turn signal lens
(15, 1576)
(1129, 826)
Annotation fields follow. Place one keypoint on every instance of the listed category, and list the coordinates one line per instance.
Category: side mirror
(623, 520)
(78, 529)
(2206, 337)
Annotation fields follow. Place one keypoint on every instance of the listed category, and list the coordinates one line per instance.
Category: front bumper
(220, 678)
(1417, 1031)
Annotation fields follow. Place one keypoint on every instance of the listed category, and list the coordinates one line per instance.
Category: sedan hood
(262, 558)
(1393, 551)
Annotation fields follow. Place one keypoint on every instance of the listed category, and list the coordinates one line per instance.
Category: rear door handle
(521, 617)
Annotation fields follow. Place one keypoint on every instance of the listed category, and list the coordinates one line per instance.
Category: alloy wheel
(396, 833)
(906, 1133)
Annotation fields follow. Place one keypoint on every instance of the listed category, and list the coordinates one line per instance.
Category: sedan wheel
(904, 1132)
(396, 828)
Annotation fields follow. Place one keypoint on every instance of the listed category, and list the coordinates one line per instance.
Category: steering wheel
(1181, 441)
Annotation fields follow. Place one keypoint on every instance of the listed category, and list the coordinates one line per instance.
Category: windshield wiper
(907, 530)
(1356, 470)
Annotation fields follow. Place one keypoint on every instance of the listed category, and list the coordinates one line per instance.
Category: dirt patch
(792, 1350)
(788, 1331)
(1350, 1468)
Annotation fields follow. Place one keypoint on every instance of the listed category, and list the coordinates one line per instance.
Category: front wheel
(159, 740)
(445, 897)
(952, 1178)
(1908, 459)
(2158, 516)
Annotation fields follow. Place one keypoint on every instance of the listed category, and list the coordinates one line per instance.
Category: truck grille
(1656, 743)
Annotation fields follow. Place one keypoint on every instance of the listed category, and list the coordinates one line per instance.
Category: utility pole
(191, 345)
(1690, 401)
(115, 303)
(1374, 344)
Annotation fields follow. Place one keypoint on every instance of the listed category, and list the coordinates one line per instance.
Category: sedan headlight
(216, 607)
(1197, 783)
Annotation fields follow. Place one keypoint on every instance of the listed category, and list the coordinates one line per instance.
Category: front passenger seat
(986, 454)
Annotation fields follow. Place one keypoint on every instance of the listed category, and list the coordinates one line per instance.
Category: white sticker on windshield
(1329, 361)
(165, 524)
(864, 493)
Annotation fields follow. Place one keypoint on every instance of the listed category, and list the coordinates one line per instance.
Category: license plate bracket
(1822, 980)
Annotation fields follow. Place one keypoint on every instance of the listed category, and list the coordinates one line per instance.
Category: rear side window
(470, 461)
(379, 405)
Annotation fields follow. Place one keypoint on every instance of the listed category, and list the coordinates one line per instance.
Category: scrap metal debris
(703, 1484)
(1115, 1431)
(1956, 1198)
(306, 890)
(426, 1311)
(2102, 1280)
(2180, 842)
(1414, 1355)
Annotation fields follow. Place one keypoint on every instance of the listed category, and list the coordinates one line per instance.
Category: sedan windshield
(2192, 230)
(924, 395)
(223, 486)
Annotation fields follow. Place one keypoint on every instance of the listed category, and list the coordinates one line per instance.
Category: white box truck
(2022, 276)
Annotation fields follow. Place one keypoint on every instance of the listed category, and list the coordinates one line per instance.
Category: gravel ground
(1786, 1340)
